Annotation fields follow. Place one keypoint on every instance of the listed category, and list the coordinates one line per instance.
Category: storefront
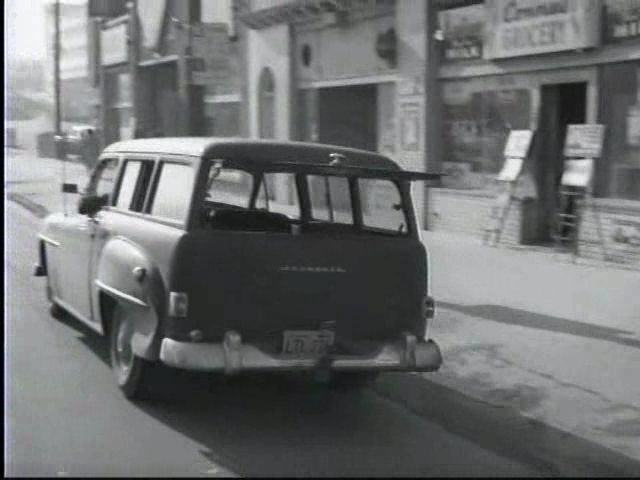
(540, 66)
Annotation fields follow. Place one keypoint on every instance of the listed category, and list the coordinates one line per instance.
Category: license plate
(306, 342)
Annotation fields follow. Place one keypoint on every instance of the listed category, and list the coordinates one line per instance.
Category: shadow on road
(523, 318)
(270, 425)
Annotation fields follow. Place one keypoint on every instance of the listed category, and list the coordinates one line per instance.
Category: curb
(38, 210)
(505, 430)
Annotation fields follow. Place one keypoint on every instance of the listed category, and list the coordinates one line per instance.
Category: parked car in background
(80, 142)
(182, 256)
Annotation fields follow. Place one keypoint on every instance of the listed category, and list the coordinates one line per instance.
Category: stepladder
(574, 200)
(568, 218)
(499, 212)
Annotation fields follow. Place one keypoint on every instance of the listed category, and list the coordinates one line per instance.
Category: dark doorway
(348, 116)
(561, 105)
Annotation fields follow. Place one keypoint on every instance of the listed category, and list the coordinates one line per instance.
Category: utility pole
(56, 66)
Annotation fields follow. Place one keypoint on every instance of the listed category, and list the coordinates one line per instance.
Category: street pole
(58, 142)
(56, 67)
(432, 105)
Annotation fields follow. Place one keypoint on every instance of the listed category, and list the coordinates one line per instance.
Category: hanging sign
(113, 45)
(463, 30)
(518, 143)
(584, 141)
(151, 14)
(622, 20)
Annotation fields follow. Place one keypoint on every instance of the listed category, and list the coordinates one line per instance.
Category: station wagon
(235, 255)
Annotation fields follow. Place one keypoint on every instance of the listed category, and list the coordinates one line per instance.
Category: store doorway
(561, 105)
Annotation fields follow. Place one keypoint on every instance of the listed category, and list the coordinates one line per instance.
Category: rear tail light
(178, 304)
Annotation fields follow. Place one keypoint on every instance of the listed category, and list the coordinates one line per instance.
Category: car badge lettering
(311, 269)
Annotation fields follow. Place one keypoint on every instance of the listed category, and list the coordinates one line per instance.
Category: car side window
(134, 181)
(103, 178)
(128, 182)
(173, 191)
(330, 199)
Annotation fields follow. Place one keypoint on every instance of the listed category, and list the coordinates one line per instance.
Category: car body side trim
(48, 240)
(119, 294)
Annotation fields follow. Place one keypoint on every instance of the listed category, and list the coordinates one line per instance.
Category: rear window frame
(304, 199)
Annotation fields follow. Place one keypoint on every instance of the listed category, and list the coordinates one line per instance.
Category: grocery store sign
(528, 27)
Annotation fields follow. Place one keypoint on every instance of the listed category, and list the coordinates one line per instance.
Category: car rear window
(382, 207)
(330, 199)
(278, 203)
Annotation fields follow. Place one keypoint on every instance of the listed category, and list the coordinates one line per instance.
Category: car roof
(252, 150)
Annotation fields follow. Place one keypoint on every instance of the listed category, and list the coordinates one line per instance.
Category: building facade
(540, 65)
(346, 73)
(436, 85)
(439, 85)
(169, 68)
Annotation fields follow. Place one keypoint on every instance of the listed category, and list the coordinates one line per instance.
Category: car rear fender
(128, 276)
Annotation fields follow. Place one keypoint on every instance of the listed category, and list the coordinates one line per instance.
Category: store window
(476, 126)
(620, 113)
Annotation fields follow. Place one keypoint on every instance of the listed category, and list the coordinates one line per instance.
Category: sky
(25, 28)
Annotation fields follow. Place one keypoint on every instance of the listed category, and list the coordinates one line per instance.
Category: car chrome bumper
(232, 356)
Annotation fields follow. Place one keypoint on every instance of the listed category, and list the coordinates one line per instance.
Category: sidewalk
(521, 330)
(31, 181)
(557, 342)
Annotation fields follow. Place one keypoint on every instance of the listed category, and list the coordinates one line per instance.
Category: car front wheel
(133, 373)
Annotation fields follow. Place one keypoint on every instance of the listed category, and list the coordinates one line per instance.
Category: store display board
(584, 141)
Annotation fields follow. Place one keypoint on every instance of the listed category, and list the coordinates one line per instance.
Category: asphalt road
(65, 415)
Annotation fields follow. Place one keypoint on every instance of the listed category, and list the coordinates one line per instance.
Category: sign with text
(584, 141)
(463, 30)
(410, 125)
(577, 173)
(528, 27)
(518, 143)
(511, 169)
(113, 45)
